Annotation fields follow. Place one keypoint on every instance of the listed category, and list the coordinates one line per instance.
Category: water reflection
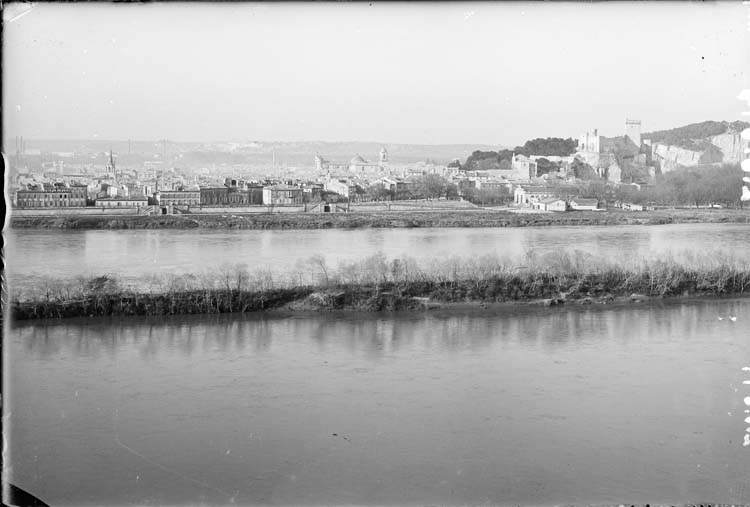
(586, 405)
(378, 334)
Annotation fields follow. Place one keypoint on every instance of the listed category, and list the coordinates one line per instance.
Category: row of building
(53, 195)
(115, 187)
(238, 193)
(232, 193)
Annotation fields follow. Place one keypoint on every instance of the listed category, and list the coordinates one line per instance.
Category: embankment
(392, 219)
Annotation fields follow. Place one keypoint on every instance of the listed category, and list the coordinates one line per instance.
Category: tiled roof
(585, 202)
(122, 199)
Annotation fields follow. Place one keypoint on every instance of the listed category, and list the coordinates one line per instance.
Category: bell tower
(318, 163)
(111, 165)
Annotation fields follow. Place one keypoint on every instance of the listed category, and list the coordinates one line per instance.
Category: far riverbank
(394, 219)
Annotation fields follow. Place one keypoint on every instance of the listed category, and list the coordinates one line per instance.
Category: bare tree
(319, 262)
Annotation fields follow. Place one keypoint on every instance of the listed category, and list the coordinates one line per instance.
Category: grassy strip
(376, 284)
(393, 219)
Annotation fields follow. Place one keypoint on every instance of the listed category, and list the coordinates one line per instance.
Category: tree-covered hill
(550, 146)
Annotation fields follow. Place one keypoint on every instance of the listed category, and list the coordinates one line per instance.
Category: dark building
(312, 194)
(233, 193)
(179, 197)
(58, 195)
(282, 195)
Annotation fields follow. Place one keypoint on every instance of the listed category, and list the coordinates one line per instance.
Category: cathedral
(357, 165)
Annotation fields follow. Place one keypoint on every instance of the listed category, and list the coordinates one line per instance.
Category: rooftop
(282, 187)
(122, 199)
(585, 202)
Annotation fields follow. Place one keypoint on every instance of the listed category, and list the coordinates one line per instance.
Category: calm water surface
(135, 255)
(581, 406)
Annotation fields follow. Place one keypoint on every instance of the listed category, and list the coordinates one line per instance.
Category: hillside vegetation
(551, 146)
(696, 135)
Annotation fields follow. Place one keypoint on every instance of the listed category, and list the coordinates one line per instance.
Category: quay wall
(62, 212)
(246, 209)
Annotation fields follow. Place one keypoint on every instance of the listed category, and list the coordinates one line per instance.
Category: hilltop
(696, 136)
(550, 146)
(707, 142)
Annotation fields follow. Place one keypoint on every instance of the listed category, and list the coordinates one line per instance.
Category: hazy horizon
(424, 74)
(262, 141)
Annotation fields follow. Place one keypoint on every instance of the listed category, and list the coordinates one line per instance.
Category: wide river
(601, 405)
(137, 255)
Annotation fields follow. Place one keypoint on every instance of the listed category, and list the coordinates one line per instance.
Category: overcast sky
(439, 73)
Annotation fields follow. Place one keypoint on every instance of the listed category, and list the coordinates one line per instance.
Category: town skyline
(267, 75)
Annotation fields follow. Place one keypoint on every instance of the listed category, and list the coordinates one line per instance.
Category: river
(585, 406)
(134, 256)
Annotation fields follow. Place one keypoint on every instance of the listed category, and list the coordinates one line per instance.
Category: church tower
(111, 164)
(318, 163)
(383, 156)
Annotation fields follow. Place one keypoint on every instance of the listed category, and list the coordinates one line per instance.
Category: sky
(425, 73)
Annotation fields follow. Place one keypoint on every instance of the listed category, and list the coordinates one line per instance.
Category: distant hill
(696, 136)
(256, 152)
(397, 153)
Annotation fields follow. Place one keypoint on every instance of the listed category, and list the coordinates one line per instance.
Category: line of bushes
(377, 283)
(384, 220)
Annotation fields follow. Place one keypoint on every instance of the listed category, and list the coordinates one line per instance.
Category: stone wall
(228, 210)
(60, 212)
